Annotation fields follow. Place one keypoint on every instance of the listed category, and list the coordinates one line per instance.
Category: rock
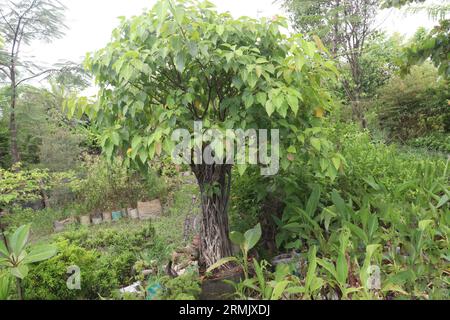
(85, 220)
(134, 288)
(107, 216)
(133, 213)
(150, 210)
(97, 220)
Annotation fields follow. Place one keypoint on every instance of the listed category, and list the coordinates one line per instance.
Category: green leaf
(221, 262)
(40, 253)
(342, 269)
(316, 144)
(115, 138)
(293, 103)
(442, 201)
(19, 239)
(313, 201)
(424, 224)
(270, 109)
(3, 250)
(252, 237)
(237, 238)
(180, 62)
(339, 203)
(261, 97)
(279, 289)
(20, 272)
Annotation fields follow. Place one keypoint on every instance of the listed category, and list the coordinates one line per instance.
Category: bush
(414, 106)
(47, 280)
(439, 142)
(108, 186)
(185, 287)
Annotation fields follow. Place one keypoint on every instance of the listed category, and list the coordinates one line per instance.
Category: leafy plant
(16, 254)
(246, 242)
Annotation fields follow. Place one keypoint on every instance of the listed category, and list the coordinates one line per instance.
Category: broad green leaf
(20, 271)
(237, 238)
(3, 250)
(270, 109)
(342, 269)
(316, 144)
(221, 262)
(19, 239)
(252, 237)
(40, 253)
(313, 201)
(180, 62)
(279, 289)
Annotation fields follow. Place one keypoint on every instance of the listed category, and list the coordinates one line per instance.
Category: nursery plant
(183, 62)
(16, 254)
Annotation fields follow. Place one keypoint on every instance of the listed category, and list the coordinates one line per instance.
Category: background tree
(184, 62)
(344, 26)
(22, 22)
(435, 45)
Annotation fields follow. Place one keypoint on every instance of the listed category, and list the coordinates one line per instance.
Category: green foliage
(246, 242)
(47, 280)
(21, 185)
(41, 221)
(415, 105)
(439, 142)
(379, 62)
(16, 255)
(229, 73)
(435, 46)
(185, 287)
(109, 186)
(105, 256)
(394, 202)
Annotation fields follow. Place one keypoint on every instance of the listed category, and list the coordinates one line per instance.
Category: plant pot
(133, 214)
(217, 289)
(107, 216)
(85, 220)
(97, 220)
(150, 210)
(116, 215)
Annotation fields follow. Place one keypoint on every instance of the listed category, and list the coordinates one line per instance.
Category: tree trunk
(12, 118)
(215, 185)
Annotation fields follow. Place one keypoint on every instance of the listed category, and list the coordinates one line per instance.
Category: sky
(90, 23)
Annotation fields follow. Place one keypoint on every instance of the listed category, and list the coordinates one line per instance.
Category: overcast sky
(90, 23)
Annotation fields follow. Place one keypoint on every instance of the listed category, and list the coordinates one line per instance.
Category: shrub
(415, 105)
(47, 280)
(185, 287)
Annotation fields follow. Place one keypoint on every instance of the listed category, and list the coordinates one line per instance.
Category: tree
(345, 26)
(183, 62)
(22, 22)
(435, 45)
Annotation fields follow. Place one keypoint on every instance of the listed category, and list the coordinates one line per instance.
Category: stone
(85, 220)
(97, 220)
(107, 216)
(134, 288)
(133, 213)
(150, 210)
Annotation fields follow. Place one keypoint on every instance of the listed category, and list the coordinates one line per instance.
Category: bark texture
(215, 185)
